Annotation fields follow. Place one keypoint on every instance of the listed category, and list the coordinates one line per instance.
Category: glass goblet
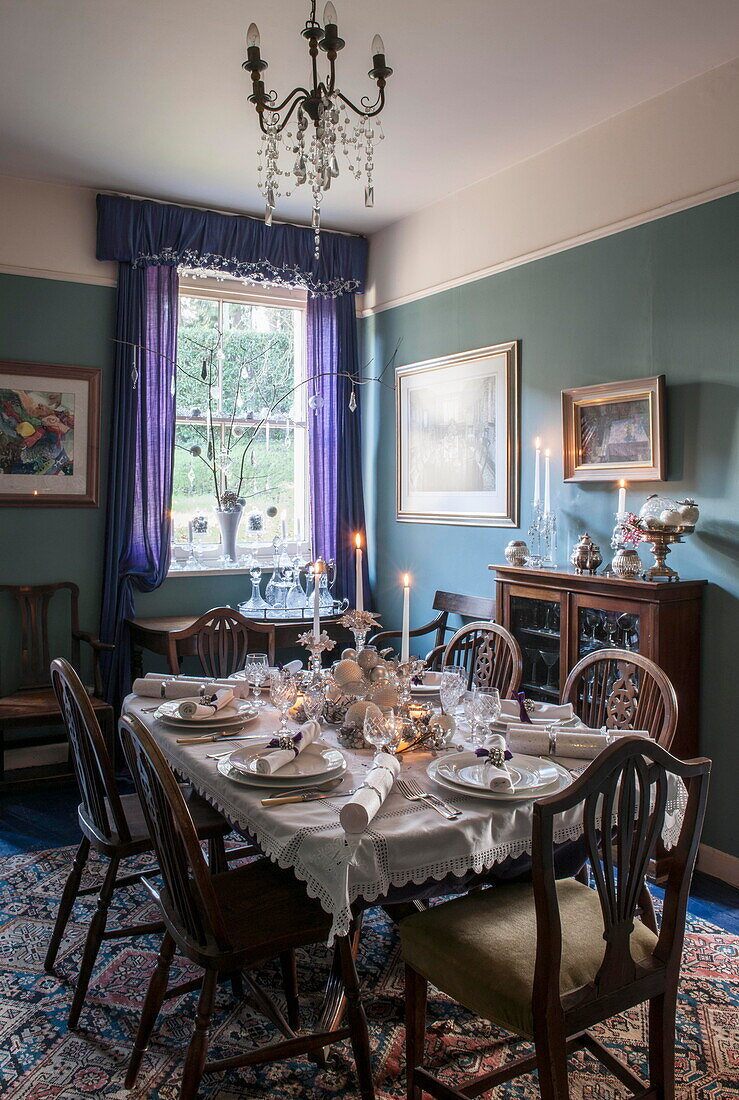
(375, 728)
(469, 706)
(257, 672)
(487, 709)
(452, 688)
(313, 701)
(283, 692)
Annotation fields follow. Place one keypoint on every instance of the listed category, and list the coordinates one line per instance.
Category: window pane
(197, 338)
(259, 359)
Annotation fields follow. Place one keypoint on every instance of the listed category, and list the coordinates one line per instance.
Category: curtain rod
(215, 210)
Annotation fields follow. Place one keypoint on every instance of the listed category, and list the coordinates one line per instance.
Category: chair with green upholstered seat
(548, 959)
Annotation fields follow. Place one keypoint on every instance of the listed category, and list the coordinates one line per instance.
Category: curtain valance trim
(143, 233)
(258, 271)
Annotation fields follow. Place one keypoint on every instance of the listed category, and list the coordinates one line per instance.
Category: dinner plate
(319, 761)
(467, 770)
(234, 714)
(562, 780)
(226, 768)
(429, 686)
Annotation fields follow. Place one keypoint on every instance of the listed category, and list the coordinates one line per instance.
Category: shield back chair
(112, 824)
(33, 704)
(446, 603)
(223, 639)
(237, 920)
(490, 656)
(549, 959)
(622, 690)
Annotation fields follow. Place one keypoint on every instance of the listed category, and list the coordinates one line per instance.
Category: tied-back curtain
(337, 496)
(137, 544)
(150, 241)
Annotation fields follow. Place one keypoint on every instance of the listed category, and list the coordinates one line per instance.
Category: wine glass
(469, 706)
(550, 658)
(375, 728)
(313, 700)
(487, 708)
(257, 672)
(283, 692)
(451, 688)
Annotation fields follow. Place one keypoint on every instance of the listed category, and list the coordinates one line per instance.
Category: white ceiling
(148, 96)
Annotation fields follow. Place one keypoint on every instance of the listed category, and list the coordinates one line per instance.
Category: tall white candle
(621, 497)
(283, 527)
(537, 488)
(547, 495)
(405, 640)
(359, 583)
(316, 597)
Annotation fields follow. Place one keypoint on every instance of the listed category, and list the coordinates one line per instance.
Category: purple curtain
(337, 495)
(137, 534)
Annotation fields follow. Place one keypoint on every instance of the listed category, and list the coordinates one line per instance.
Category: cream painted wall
(669, 153)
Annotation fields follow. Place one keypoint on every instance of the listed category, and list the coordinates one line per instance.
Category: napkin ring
(286, 743)
(370, 787)
(552, 735)
(495, 756)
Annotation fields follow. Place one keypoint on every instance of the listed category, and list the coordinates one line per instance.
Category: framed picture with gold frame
(457, 438)
(615, 430)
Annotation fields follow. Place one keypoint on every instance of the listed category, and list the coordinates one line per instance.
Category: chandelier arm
(366, 112)
(302, 93)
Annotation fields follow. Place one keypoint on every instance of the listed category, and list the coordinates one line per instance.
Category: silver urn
(516, 552)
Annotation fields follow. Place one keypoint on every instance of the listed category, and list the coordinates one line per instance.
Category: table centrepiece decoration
(663, 522)
(360, 623)
(316, 644)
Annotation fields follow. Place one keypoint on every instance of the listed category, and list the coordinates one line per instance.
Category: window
(240, 365)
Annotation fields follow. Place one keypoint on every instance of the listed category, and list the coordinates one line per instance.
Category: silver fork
(410, 789)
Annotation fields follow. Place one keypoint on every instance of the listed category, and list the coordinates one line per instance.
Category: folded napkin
(217, 701)
(358, 811)
(293, 666)
(494, 757)
(156, 685)
(287, 748)
(510, 711)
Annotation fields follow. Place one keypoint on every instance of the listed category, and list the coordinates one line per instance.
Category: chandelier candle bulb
(621, 497)
(329, 15)
(252, 36)
(405, 641)
(359, 585)
(547, 493)
(537, 463)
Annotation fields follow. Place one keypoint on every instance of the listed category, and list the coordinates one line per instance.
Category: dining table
(409, 851)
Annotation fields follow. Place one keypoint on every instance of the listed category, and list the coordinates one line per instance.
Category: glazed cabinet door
(537, 620)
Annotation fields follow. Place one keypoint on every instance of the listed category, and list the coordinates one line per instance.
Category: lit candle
(359, 585)
(547, 496)
(316, 597)
(405, 641)
(283, 527)
(621, 497)
(537, 490)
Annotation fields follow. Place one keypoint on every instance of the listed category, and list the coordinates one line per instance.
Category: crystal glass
(313, 700)
(550, 657)
(469, 706)
(377, 728)
(255, 602)
(283, 687)
(452, 688)
(487, 708)
(257, 672)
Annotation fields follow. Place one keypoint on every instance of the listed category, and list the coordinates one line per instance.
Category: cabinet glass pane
(535, 624)
(597, 629)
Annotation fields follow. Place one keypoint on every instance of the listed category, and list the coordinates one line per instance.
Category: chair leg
(198, 1046)
(217, 855)
(152, 1004)
(93, 941)
(358, 1032)
(69, 897)
(289, 968)
(415, 1027)
(662, 1011)
(551, 1061)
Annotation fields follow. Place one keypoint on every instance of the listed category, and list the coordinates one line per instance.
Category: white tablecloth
(406, 843)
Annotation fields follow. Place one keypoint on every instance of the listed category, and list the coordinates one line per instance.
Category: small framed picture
(49, 435)
(615, 430)
(457, 438)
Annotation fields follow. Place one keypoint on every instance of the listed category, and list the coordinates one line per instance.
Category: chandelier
(323, 123)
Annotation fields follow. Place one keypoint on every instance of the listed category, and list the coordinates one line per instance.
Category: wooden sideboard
(558, 616)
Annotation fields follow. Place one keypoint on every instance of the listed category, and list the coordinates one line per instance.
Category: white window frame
(229, 289)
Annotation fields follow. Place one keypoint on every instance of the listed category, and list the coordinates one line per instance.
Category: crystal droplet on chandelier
(369, 196)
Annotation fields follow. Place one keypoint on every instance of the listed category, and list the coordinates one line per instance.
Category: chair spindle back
(490, 656)
(190, 898)
(222, 639)
(33, 606)
(93, 768)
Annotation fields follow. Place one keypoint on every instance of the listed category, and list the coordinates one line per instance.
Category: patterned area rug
(41, 1060)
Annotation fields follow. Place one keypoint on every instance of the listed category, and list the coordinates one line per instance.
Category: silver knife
(307, 796)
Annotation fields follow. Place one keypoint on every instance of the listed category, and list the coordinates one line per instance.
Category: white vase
(229, 524)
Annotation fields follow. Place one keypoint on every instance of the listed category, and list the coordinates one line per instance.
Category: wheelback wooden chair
(446, 603)
(490, 656)
(548, 959)
(223, 639)
(112, 824)
(228, 922)
(622, 690)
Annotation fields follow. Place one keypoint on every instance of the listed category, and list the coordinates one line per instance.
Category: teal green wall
(659, 299)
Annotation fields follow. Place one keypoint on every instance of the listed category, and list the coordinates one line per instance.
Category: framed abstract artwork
(457, 438)
(49, 435)
(615, 430)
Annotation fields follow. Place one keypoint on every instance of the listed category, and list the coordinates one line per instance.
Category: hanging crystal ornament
(353, 400)
(322, 126)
